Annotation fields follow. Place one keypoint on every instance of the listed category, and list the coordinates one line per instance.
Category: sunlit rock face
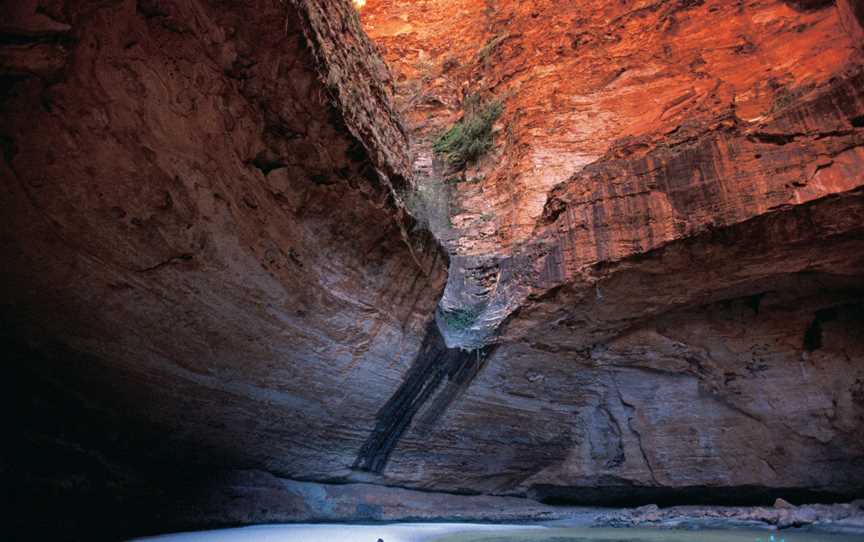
(668, 219)
(655, 275)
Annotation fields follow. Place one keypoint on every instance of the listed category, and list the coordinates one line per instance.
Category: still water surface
(464, 532)
(644, 535)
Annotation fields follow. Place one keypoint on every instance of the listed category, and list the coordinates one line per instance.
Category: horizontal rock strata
(650, 289)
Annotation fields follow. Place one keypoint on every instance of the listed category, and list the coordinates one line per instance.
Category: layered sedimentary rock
(664, 245)
(200, 244)
(655, 275)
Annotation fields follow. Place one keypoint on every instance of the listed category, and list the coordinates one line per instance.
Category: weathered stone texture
(674, 199)
(207, 264)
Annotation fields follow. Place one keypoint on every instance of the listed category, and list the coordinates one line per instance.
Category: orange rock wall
(663, 171)
(206, 263)
(587, 81)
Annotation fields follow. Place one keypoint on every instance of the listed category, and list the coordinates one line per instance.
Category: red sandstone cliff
(199, 239)
(664, 242)
(207, 263)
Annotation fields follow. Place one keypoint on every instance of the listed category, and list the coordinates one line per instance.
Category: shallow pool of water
(644, 535)
(395, 532)
(465, 532)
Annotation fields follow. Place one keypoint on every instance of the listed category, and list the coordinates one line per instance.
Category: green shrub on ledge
(471, 137)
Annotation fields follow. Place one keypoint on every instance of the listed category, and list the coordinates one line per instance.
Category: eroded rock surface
(200, 240)
(669, 217)
(656, 275)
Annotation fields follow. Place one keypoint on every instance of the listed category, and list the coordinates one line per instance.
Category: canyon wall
(657, 270)
(202, 256)
(664, 246)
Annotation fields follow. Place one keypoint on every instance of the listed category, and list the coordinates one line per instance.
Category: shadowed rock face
(434, 363)
(199, 239)
(656, 276)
